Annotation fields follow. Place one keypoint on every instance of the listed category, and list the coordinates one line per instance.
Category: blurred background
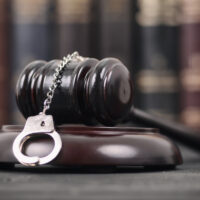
(158, 40)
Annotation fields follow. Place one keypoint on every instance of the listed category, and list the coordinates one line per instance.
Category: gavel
(91, 91)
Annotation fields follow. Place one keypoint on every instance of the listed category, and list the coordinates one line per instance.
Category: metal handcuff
(42, 123)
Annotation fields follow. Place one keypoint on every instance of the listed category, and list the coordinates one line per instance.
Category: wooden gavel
(90, 92)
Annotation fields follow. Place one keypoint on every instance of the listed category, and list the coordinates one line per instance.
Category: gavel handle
(173, 130)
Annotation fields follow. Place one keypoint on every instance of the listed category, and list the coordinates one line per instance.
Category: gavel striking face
(90, 91)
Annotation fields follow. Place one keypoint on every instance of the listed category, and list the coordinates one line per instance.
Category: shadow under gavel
(91, 92)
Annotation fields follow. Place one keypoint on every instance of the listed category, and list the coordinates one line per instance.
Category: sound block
(96, 146)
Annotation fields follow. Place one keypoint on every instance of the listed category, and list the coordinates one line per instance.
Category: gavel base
(96, 146)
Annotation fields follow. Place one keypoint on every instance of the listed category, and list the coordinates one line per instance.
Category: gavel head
(90, 91)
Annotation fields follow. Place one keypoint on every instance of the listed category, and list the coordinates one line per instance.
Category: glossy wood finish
(87, 90)
(91, 92)
(176, 131)
(98, 146)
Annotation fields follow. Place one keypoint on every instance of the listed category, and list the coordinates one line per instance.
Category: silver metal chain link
(58, 76)
(42, 123)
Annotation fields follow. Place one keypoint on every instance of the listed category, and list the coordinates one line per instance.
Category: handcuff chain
(42, 123)
(58, 76)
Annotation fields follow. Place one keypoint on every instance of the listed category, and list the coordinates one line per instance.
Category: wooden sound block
(96, 146)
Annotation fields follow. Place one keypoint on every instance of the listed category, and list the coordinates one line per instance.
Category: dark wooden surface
(104, 86)
(48, 183)
(91, 91)
(99, 146)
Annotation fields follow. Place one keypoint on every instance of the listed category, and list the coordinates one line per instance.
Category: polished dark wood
(97, 146)
(85, 94)
(91, 92)
(176, 131)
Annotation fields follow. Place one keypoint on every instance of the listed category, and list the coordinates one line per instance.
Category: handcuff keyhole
(42, 123)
